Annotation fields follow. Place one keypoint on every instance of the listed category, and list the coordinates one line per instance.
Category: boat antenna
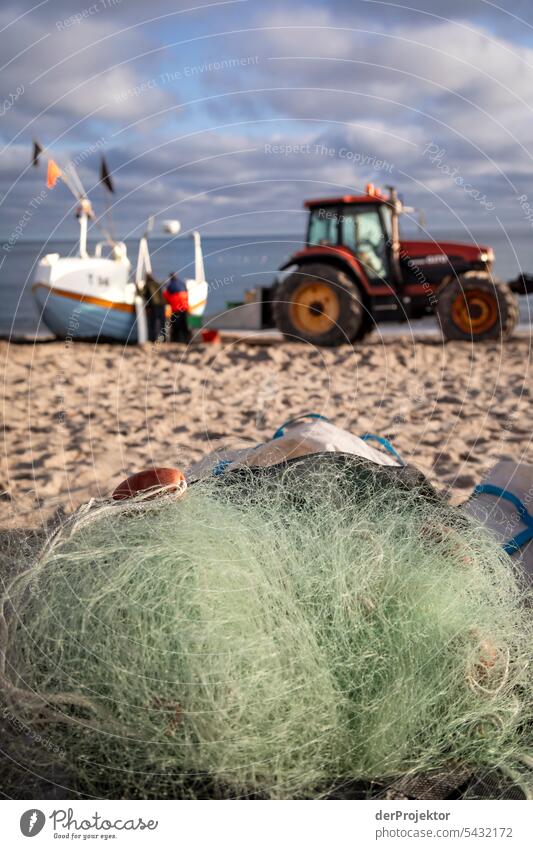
(72, 180)
(71, 170)
(85, 211)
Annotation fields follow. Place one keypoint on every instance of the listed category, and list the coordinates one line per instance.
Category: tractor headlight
(487, 256)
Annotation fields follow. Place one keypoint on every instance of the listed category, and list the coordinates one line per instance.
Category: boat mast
(83, 235)
(199, 273)
(84, 212)
(71, 179)
(144, 263)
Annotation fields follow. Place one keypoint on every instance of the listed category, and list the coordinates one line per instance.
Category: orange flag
(54, 172)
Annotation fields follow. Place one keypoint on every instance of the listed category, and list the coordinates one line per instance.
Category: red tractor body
(355, 271)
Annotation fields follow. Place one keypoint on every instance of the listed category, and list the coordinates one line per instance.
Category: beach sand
(78, 418)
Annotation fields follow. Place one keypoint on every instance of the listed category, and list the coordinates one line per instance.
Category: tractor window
(323, 227)
(362, 232)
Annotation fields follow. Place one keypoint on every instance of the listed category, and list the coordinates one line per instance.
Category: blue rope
(526, 518)
(220, 467)
(281, 430)
(388, 446)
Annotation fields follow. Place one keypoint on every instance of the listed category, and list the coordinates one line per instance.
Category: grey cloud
(462, 87)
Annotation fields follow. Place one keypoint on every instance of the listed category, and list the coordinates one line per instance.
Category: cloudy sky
(228, 114)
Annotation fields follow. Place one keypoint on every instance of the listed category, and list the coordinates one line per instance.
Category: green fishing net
(271, 633)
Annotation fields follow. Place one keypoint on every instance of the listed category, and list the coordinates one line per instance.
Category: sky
(227, 115)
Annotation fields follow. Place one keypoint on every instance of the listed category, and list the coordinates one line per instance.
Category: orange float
(143, 482)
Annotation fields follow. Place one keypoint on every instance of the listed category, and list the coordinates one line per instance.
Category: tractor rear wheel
(475, 308)
(320, 304)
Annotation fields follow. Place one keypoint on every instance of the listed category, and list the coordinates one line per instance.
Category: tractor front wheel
(320, 304)
(475, 308)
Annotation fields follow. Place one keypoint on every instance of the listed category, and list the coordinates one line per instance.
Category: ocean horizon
(233, 264)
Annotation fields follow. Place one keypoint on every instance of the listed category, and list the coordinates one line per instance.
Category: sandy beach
(77, 418)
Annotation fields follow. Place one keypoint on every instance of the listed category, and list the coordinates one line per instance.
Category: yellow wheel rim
(315, 307)
(475, 311)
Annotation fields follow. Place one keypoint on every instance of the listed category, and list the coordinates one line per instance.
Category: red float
(142, 482)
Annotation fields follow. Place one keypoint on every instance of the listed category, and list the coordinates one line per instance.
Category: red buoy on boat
(155, 478)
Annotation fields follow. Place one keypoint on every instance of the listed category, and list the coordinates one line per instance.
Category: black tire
(335, 317)
(476, 308)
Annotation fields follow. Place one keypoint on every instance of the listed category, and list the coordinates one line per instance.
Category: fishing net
(274, 633)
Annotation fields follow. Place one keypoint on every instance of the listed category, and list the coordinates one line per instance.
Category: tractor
(355, 271)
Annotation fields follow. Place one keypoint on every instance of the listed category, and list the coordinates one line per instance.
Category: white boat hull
(92, 297)
(78, 318)
(86, 298)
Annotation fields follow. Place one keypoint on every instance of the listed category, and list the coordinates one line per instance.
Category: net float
(171, 479)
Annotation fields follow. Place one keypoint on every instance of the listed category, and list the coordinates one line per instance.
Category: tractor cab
(354, 272)
(361, 224)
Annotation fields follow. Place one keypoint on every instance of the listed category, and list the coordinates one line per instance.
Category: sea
(233, 264)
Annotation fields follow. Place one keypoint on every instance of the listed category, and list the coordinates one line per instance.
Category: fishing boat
(96, 296)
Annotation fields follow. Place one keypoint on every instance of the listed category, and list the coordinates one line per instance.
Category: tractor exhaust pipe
(396, 208)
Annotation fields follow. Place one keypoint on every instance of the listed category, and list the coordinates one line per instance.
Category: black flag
(105, 176)
(37, 150)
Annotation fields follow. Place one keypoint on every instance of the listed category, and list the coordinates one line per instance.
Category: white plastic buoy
(172, 226)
